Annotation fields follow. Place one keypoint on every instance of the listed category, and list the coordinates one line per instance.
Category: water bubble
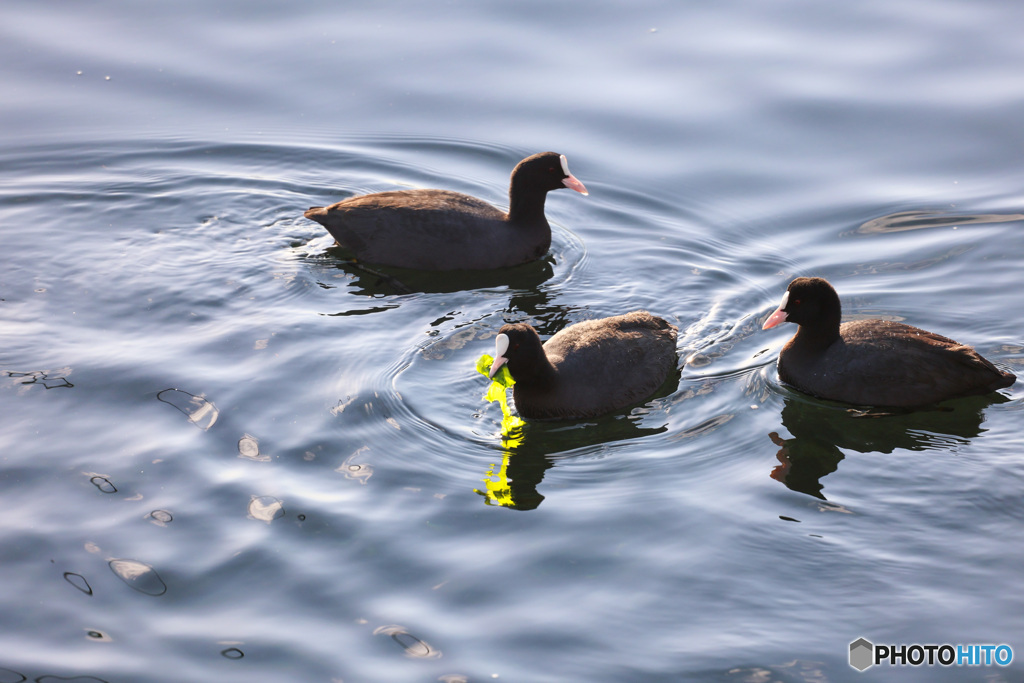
(199, 411)
(232, 653)
(103, 484)
(139, 576)
(78, 581)
(99, 636)
(266, 508)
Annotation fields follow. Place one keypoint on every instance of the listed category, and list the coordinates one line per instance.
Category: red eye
(797, 302)
(515, 347)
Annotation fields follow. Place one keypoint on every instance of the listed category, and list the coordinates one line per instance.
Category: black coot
(587, 369)
(442, 230)
(873, 362)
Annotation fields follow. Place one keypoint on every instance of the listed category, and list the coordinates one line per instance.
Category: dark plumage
(587, 369)
(873, 362)
(442, 230)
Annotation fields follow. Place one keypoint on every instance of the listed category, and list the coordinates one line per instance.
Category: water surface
(228, 454)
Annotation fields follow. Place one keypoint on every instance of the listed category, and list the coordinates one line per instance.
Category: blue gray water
(228, 455)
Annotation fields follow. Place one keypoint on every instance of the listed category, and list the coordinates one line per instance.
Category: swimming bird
(443, 230)
(873, 362)
(587, 369)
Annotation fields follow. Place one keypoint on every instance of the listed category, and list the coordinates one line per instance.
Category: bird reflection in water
(498, 486)
(529, 450)
(822, 430)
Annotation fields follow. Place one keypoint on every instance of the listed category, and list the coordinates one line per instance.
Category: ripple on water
(923, 220)
(103, 484)
(8, 676)
(249, 448)
(98, 636)
(358, 471)
(160, 517)
(139, 576)
(266, 508)
(48, 380)
(197, 409)
(204, 252)
(78, 581)
(414, 647)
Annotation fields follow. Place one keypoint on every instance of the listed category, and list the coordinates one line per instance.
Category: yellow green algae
(499, 491)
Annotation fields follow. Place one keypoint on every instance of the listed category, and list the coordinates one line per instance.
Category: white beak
(500, 348)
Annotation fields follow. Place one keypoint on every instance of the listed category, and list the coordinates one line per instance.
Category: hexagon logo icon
(862, 654)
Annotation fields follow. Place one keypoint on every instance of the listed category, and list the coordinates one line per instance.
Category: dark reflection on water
(922, 220)
(820, 430)
(103, 484)
(530, 450)
(361, 311)
(374, 280)
(706, 427)
(49, 380)
(8, 676)
(78, 581)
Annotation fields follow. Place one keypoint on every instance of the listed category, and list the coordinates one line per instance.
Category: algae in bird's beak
(499, 490)
(496, 392)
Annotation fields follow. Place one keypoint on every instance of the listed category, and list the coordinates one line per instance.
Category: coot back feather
(587, 369)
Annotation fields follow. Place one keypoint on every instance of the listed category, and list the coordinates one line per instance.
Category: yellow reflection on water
(498, 489)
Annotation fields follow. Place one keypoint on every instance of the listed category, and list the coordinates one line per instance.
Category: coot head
(810, 302)
(545, 171)
(519, 347)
